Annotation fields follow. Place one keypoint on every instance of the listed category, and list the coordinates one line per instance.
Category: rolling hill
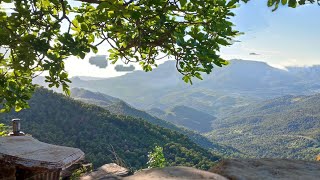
(187, 117)
(285, 127)
(119, 107)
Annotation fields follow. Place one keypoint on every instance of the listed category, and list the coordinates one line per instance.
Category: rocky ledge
(252, 169)
(115, 172)
(233, 169)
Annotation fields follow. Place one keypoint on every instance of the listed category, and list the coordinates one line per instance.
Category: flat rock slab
(268, 169)
(29, 152)
(173, 173)
(107, 171)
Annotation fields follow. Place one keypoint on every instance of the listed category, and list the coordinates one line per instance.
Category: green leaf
(198, 75)
(284, 2)
(91, 38)
(82, 55)
(103, 5)
(67, 92)
(222, 42)
(18, 108)
(84, 27)
(292, 3)
(302, 2)
(135, 15)
(232, 3)
(224, 62)
(183, 2)
(94, 49)
(271, 2)
(64, 75)
(276, 7)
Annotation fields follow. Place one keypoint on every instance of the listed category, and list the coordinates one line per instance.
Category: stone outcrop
(115, 172)
(174, 173)
(23, 157)
(267, 169)
(233, 169)
(107, 171)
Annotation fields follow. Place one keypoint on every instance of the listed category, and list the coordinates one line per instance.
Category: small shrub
(156, 158)
(80, 172)
(3, 130)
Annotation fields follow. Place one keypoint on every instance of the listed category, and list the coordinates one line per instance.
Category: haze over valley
(247, 109)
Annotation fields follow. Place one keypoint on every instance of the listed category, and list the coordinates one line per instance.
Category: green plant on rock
(3, 130)
(156, 158)
(81, 172)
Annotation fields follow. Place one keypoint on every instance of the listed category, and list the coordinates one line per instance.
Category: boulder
(173, 173)
(23, 157)
(108, 171)
(267, 169)
(30, 153)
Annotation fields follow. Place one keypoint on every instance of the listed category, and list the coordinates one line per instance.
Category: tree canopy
(32, 39)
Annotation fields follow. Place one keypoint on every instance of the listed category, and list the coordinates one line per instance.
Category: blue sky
(287, 37)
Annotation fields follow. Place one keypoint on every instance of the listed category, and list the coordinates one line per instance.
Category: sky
(286, 37)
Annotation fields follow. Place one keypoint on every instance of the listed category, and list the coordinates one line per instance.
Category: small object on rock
(174, 173)
(318, 158)
(107, 171)
(268, 169)
(16, 128)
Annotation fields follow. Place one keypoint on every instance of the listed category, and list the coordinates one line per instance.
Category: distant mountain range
(238, 84)
(285, 127)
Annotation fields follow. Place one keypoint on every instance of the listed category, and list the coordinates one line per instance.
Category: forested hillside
(233, 96)
(286, 127)
(187, 117)
(56, 119)
(117, 106)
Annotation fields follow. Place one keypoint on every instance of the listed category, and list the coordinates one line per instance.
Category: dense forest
(104, 137)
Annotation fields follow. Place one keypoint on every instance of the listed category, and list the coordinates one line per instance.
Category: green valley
(119, 107)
